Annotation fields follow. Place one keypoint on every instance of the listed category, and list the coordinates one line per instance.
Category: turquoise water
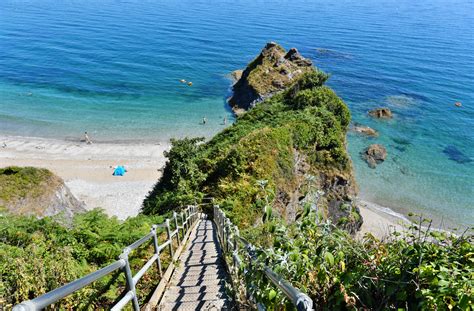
(113, 68)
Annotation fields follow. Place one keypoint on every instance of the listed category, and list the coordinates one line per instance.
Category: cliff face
(287, 153)
(271, 72)
(38, 192)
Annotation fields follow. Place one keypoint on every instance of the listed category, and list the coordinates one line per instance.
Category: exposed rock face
(374, 154)
(271, 72)
(365, 130)
(381, 113)
(37, 192)
(236, 75)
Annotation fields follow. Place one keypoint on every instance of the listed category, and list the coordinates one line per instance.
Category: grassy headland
(282, 174)
(281, 152)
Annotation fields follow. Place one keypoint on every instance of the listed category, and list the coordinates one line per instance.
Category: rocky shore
(271, 72)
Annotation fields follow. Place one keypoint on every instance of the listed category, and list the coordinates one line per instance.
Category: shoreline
(379, 220)
(87, 169)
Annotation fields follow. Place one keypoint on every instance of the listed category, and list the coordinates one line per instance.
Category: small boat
(457, 104)
(182, 81)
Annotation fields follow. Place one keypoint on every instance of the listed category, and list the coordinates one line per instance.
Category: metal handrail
(191, 216)
(230, 239)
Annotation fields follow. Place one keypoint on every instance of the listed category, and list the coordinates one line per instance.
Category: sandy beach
(87, 169)
(379, 220)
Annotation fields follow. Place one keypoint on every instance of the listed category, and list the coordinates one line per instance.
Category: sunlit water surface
(113, 68)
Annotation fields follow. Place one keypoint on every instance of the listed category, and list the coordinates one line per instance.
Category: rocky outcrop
(236, 75)
(374, 154)
(271, 72)
(364, 130)
(288, 152)
(37, 192)
(381, 113)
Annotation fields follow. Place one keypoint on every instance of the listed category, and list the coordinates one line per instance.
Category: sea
(113, 68)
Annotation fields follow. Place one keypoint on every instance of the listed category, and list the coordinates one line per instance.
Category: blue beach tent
(119, 171)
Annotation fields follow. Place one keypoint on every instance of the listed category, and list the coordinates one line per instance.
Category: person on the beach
(87, 139)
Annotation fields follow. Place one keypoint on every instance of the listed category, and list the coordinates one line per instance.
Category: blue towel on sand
(119, 171)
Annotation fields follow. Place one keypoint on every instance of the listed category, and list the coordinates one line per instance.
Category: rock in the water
(271, 72)
(374, 154)
(381, 113)
(364, 130)
(236, 75)
(37, 192)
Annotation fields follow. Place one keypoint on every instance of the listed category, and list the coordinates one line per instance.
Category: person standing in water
(87, 139)
(225, 120)
(204, 120)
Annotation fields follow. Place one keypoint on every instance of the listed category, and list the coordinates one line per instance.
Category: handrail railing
(188, 217)
(230, 239)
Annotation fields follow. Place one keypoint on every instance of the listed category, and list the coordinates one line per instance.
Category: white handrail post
(229, 233)
(186, 220)
(235, 252)
(175, 217)
(168, 231)
(224, 237)
(157, 252)
(182, 223)
(188, 217)
(129, 278)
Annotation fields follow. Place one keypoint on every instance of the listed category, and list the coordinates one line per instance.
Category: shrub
(417, 269)
(39, 255)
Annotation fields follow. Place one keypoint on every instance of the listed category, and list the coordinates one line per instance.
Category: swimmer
(190, 83)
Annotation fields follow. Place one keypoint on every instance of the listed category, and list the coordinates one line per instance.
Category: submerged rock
(362, 129)
(328, 53)
(381, 113)
(374, 154)
(401, 141)
(271, 72)
(456, 155)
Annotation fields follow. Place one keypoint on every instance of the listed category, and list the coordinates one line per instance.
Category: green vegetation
(268, 67)
(294, 134)
(280, 158)
(39, 255)
(282, 174)
(417, 269)
(18, 182)
(35, 191)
